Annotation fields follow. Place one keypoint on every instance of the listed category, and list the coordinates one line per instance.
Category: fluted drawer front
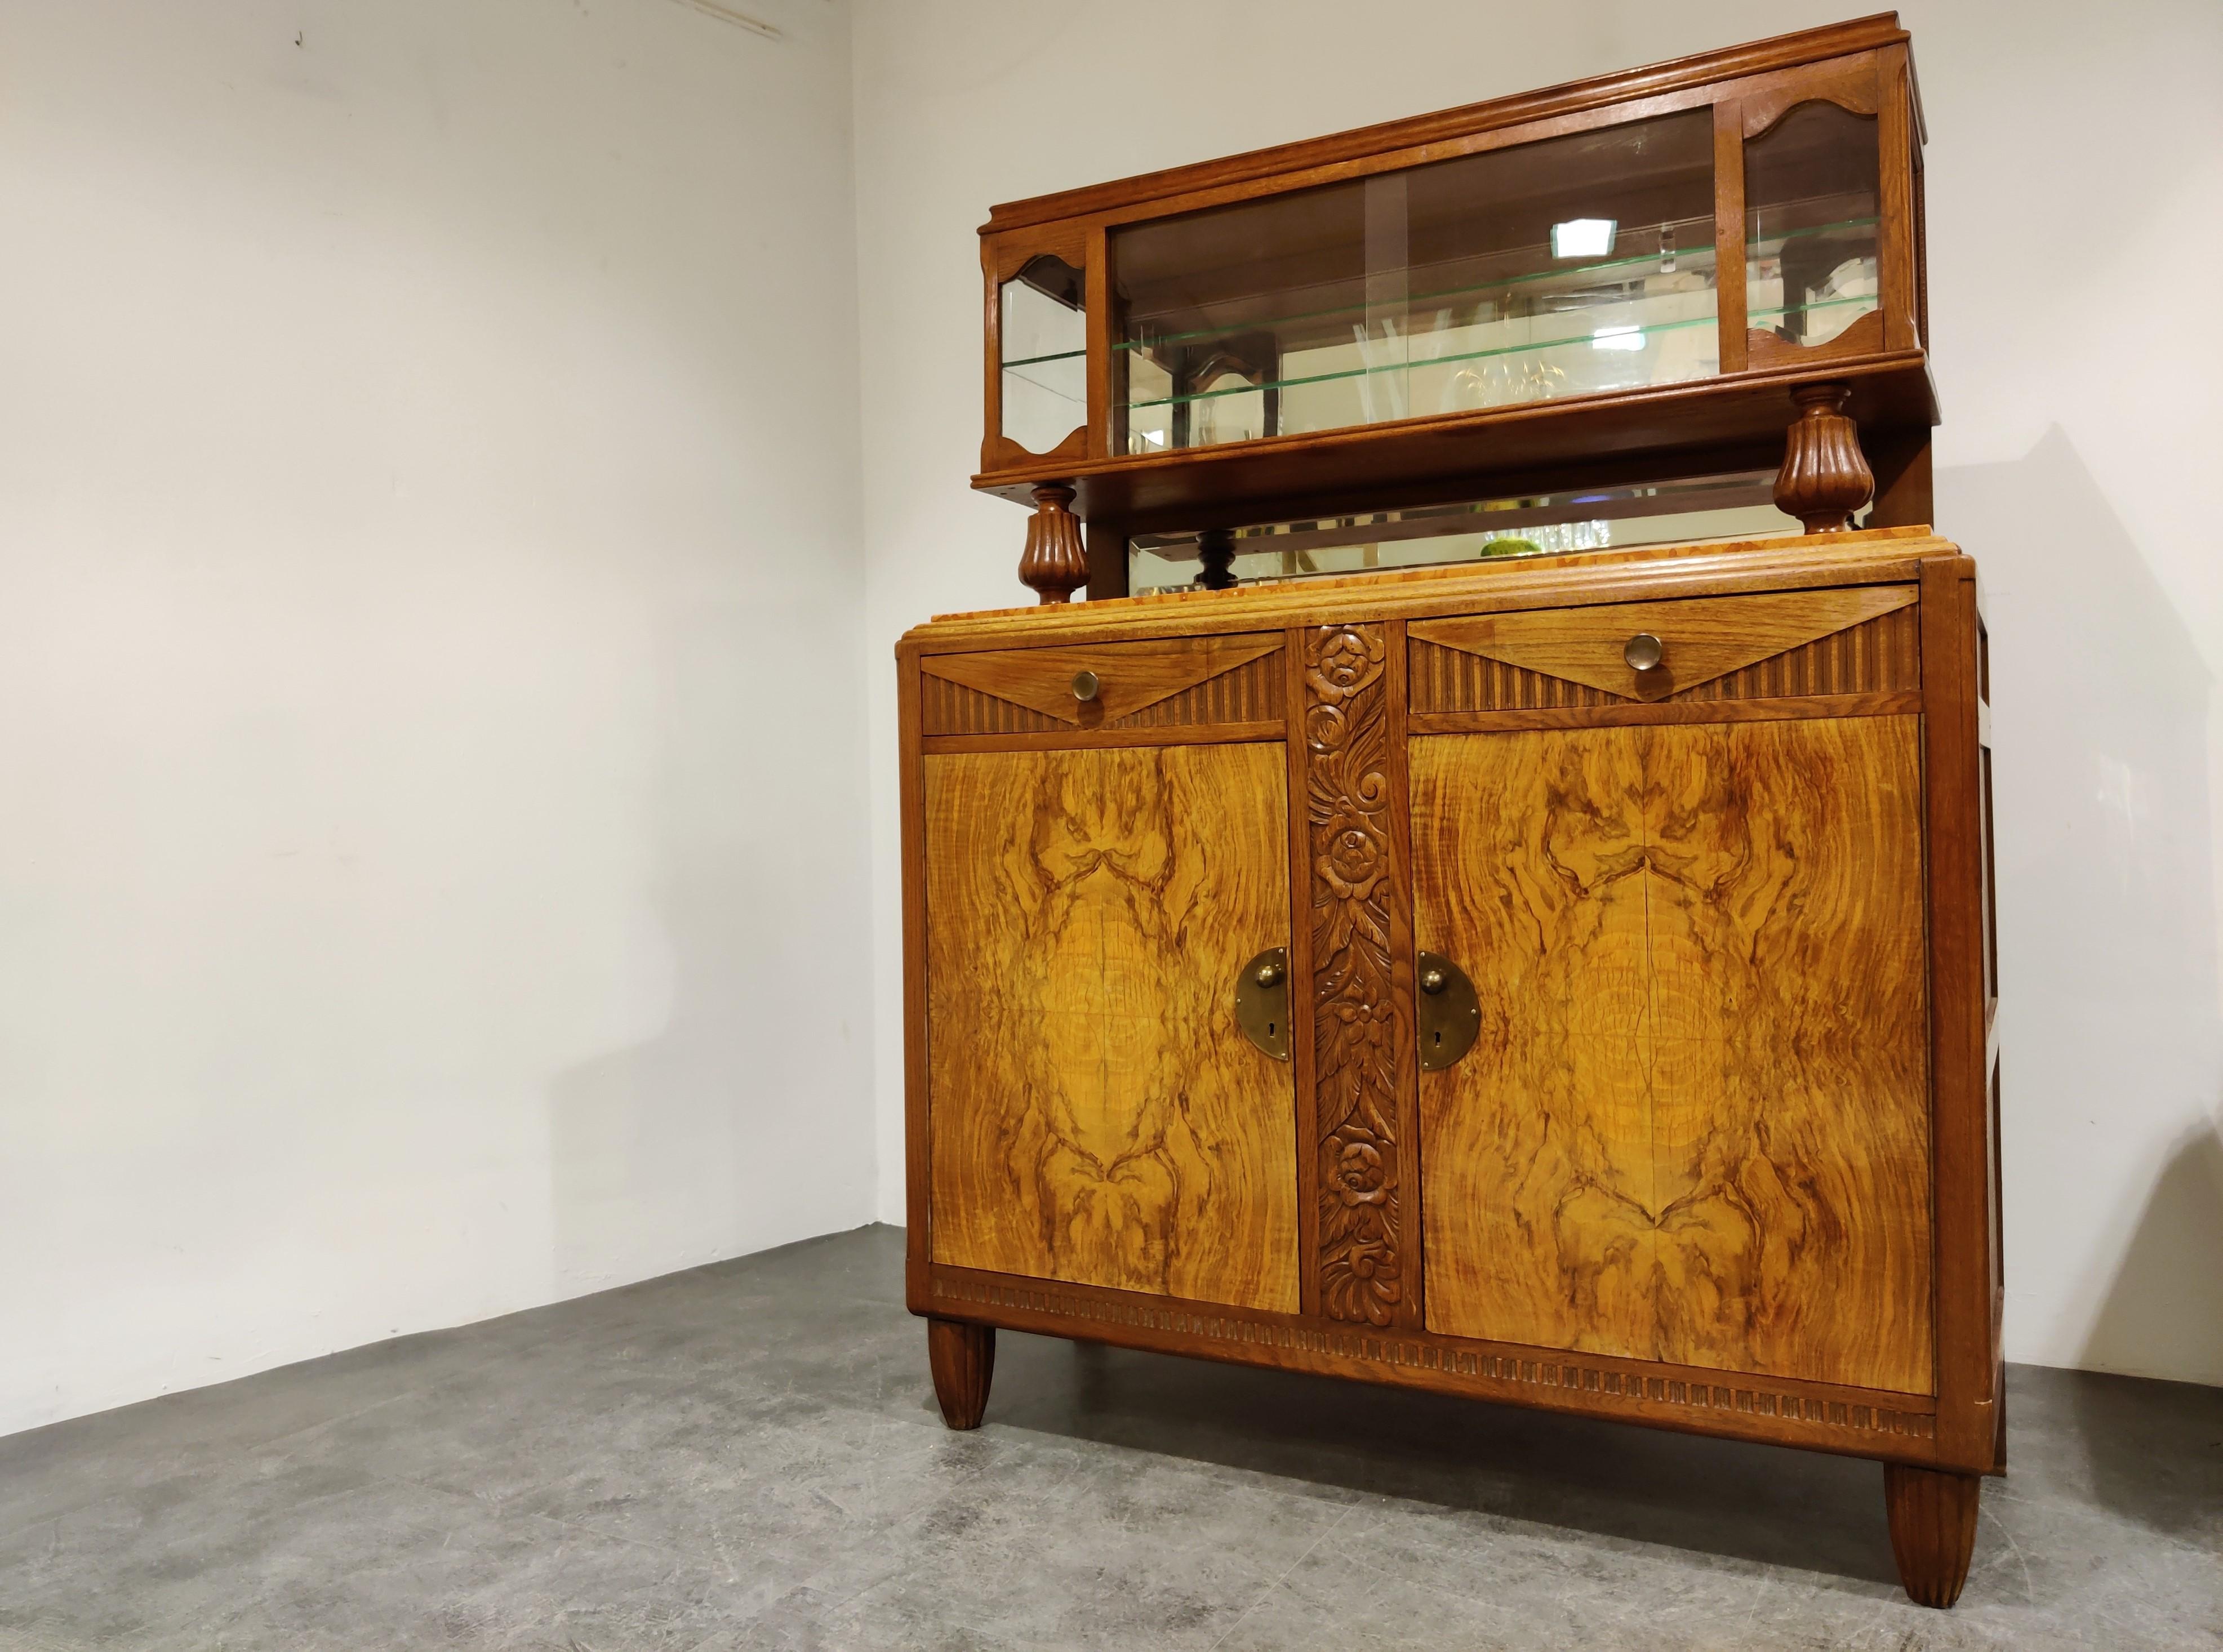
(1858, 640)
(1176, 681)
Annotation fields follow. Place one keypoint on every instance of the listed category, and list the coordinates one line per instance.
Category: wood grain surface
(1131, 676)
(1702, 639)
(1879, 656)
(1096, 1116)
(1695, 1127)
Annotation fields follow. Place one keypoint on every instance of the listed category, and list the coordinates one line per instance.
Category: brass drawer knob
(1434, 980)
(1643, 651)
(1269, 974)
(1085, 685)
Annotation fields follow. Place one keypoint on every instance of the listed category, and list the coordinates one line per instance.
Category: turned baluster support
(1053, 564)
(1215, 548)
(1825, 477)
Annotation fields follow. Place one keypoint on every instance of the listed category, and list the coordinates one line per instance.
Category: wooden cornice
(1758, 57)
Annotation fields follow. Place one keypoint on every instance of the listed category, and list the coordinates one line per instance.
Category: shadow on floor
(1763, 1503)
(2175, 1313)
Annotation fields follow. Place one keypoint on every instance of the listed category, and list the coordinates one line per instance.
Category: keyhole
(1439, 1039)
(1271, 1029)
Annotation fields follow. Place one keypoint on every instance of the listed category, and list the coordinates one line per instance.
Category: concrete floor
(749, 1456)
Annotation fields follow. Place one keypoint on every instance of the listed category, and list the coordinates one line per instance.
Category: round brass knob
(1643, 651)
(1431, 981)
(1269, 975)
(1085, 685)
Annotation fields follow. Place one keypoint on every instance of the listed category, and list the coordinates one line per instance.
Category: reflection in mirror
(1737, 506)
(1811, 195)
(1045, 333)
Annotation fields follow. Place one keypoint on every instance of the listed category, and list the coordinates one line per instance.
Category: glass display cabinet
(1708, 267)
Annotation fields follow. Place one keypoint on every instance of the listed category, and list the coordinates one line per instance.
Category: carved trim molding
(1365, 1348)
(1362, 1263)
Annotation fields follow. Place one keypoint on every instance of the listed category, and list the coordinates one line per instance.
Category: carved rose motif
(1345, 661)
(1355, 861)
(1354, 1023)
(1325, 729)
(1361, 1177)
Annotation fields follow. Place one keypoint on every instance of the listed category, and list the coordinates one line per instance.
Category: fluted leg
(963, 1358)
(1933, 1531)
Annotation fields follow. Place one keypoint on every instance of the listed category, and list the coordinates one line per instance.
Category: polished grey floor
(748, 1456)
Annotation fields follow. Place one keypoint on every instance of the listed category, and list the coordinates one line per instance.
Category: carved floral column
(1362, 1260)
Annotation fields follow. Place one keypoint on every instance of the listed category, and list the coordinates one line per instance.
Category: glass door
(1564, 268)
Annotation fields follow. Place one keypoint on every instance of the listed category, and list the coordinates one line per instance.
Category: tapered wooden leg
(964, 1358)
(1933, 1530)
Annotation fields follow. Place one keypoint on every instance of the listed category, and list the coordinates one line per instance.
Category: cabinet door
(1695, 1127)
(1095, 1113)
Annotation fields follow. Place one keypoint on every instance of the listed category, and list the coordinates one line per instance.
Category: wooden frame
(1934, 1441)
(1732, 421)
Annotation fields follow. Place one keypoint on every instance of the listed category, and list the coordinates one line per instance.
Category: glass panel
(1577, 265)
(1045, 341)
(1809, 223)
(1737, 506)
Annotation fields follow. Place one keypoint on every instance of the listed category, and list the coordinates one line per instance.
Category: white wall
(2076, 161)
(431, 752)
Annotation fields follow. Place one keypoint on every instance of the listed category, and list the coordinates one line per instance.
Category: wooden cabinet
(1700, 830)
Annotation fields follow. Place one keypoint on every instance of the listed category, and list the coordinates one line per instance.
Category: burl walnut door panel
(1695, 1127)
(1095, 1113)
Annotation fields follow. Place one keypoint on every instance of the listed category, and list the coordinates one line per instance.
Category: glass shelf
(1696, 254)
(1618, 339)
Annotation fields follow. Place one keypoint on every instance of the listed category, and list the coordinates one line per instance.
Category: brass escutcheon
(1449, 1018)
(1262, 1001)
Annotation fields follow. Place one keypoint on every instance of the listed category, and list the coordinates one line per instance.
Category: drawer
(1170, 682)
(1862, 639)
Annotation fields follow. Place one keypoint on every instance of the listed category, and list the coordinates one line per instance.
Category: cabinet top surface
(1871, 557)
(1756, 57)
